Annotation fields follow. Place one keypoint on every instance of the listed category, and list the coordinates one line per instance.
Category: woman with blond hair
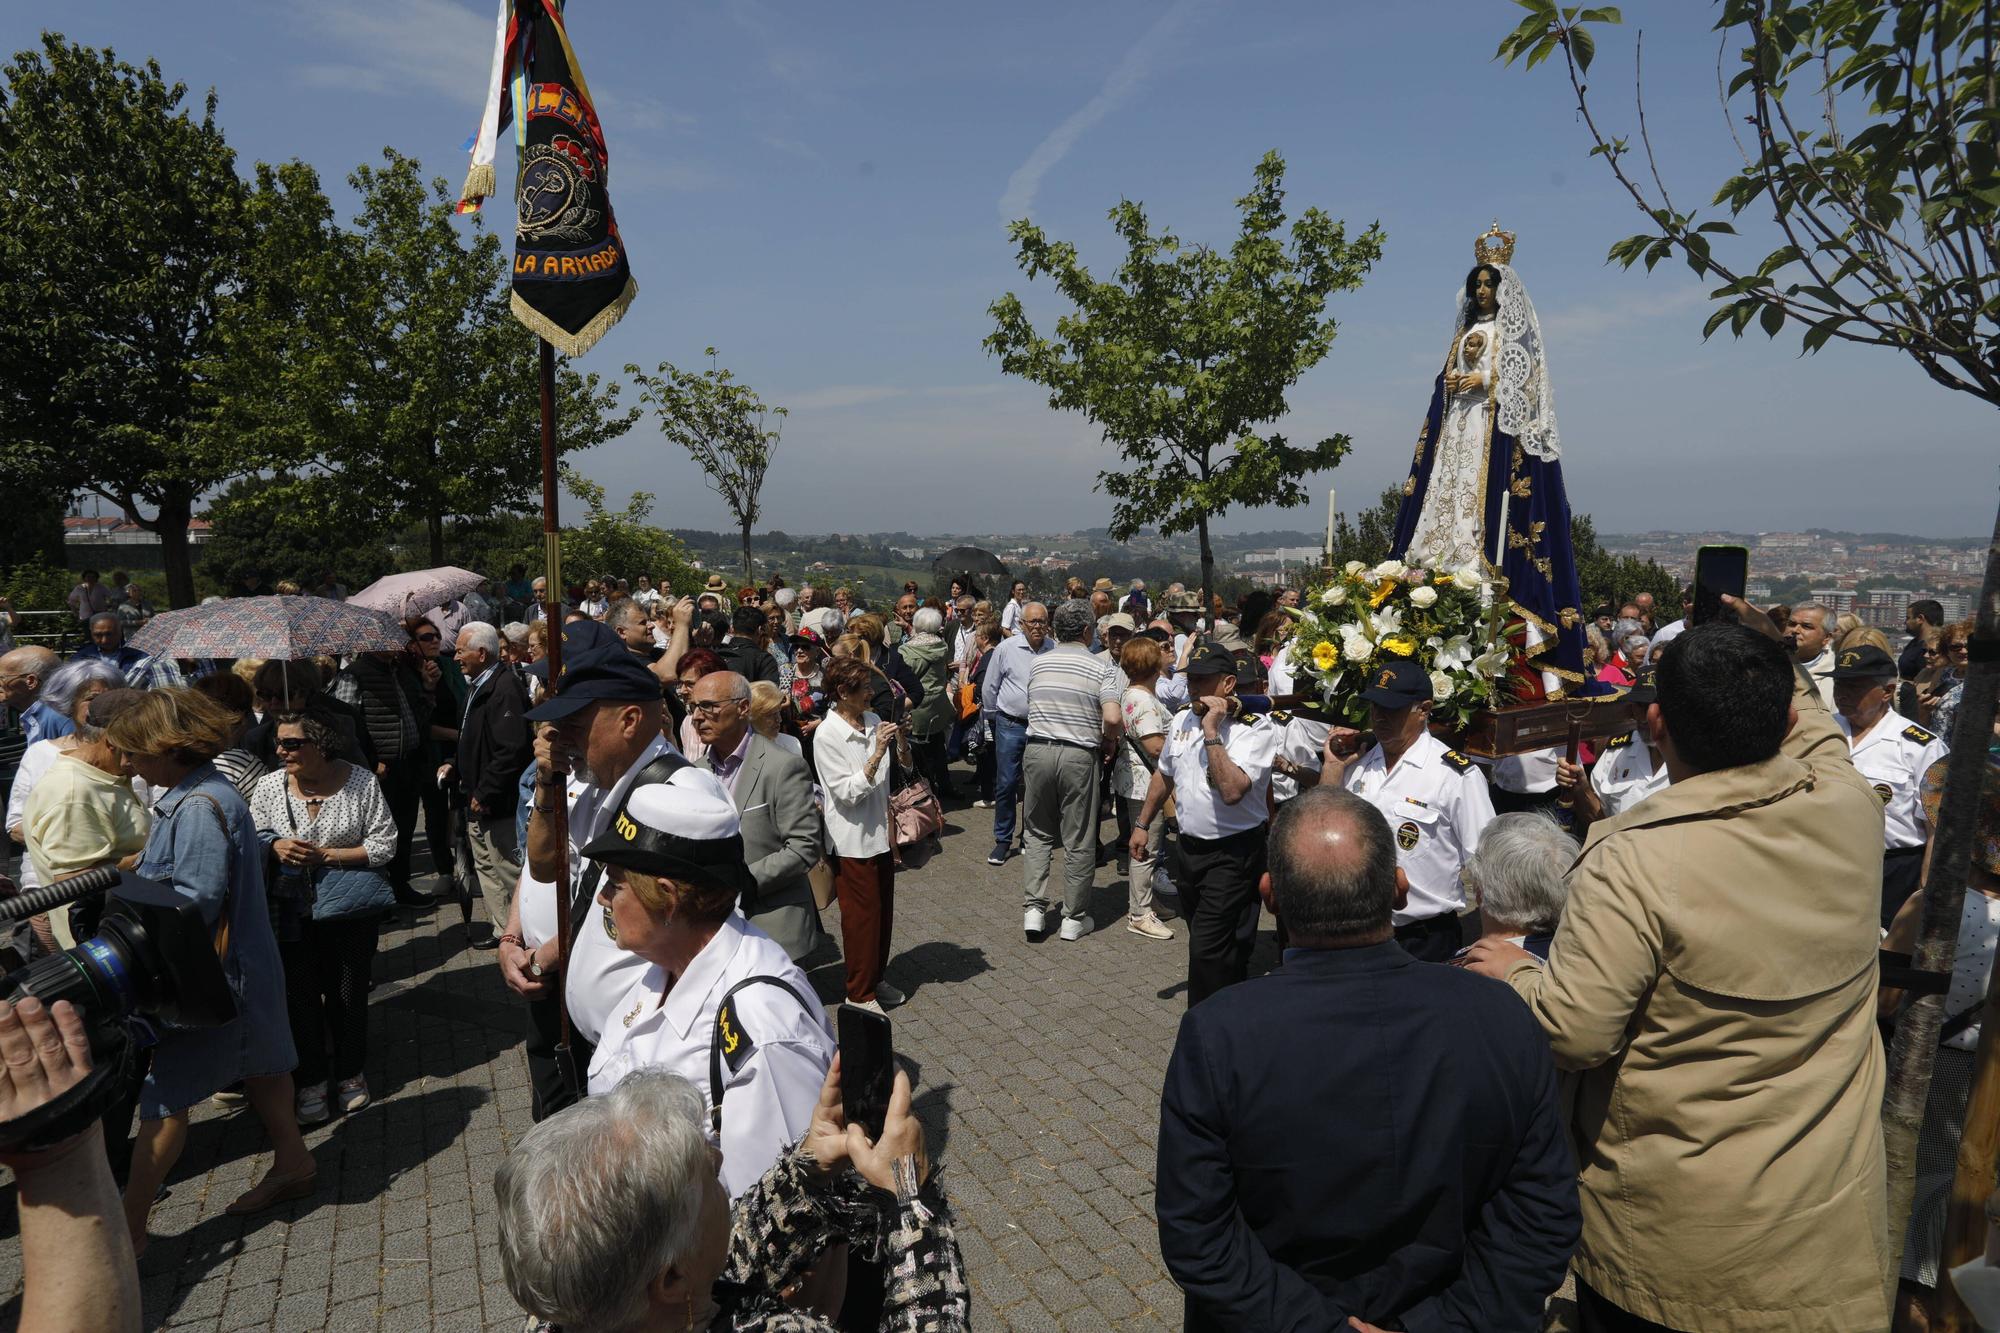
(204, 846)
(767, 716)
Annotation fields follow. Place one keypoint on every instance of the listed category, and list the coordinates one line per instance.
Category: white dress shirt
(1528, 774)
(1625, 774)
(598, 972)
(768, 1090)
(1437, 805)
(856, 808)
(1252, 742)
(1894, 755)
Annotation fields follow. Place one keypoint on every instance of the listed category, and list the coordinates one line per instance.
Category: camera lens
(95, 976)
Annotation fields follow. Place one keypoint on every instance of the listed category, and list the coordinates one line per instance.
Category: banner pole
(552, 614)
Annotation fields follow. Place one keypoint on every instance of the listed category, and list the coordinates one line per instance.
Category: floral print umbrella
(277, 628)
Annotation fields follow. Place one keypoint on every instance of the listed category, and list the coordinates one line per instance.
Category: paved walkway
(1037, 1068)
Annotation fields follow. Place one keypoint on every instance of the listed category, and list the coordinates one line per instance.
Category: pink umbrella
(407, 595)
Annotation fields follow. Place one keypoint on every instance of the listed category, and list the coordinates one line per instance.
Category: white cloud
(438, 46)
(1124, 80)
(1581, 323)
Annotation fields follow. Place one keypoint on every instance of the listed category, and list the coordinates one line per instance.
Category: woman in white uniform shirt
(673, 858)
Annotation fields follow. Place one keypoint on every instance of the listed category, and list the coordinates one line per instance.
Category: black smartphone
(1718, 570)
(867, 1069)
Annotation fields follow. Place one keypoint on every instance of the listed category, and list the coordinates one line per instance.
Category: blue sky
(819, 191)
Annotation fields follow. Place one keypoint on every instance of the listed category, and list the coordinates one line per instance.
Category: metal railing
(63, 633)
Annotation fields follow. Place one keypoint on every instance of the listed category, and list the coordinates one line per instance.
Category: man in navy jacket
(1360, 1140)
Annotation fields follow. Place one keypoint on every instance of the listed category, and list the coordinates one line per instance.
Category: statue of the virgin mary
(1485, 489)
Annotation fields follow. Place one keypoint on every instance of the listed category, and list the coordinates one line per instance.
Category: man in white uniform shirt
(593, 738)
(1434, 798)
(1893, 753)
(1218, 770)
(1630, 769)
(716, 1000)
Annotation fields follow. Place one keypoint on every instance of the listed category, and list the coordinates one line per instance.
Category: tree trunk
(170, 524)
(749, 570)
(1913, 1053)
(1207, 573)
(434, 524)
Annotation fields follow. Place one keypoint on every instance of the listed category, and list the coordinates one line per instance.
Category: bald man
(1452, 1202)
(23, 672)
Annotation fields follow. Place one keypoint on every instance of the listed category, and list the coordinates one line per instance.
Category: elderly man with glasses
(773, 794)
(1004, 701)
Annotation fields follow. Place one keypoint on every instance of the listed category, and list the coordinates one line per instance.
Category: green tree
(1188, 350)
(259, 528)
(1871, 165)
(621, 543)
(1372, 534)
(721, 425)
(403, 385)
(125, 247)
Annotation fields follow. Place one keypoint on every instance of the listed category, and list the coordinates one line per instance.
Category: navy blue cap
(596, 666)
(1210, 660)
(1398, 682)
(1864, 663)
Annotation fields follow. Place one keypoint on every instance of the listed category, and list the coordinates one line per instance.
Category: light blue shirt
(1006, 688)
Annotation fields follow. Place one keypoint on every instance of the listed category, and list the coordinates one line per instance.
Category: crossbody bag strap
(220, 937)
(730, 1042)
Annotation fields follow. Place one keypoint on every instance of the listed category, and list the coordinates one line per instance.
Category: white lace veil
(1521, 370)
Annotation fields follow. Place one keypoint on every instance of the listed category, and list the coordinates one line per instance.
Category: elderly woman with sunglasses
(1940, 701)
(329, 832)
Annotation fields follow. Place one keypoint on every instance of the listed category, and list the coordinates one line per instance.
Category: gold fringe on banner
(479, 187)
(575, 344)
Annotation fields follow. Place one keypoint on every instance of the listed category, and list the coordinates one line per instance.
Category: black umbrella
(967, 560)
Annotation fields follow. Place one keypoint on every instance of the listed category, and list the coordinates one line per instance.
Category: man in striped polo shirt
(1072, 716)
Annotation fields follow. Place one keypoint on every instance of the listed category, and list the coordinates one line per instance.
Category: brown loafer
(272, 1191)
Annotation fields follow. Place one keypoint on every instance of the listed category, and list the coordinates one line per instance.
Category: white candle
(1329, 522)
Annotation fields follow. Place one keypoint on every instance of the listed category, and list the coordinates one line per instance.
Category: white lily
(1387, 621)
(1454, 653)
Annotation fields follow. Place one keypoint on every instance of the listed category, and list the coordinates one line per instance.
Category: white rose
(1333, 596)
(1441, 686)
(1354, 646)
(1355, 567)
(1467, 578)
(1388, 569)
(1423, 596)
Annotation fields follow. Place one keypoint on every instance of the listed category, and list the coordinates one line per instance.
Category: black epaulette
(1457, 760)
(1279, 715)
(1913, 732)
(1618, 741)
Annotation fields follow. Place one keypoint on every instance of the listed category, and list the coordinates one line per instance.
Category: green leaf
(1583, 46)
(1772, 319)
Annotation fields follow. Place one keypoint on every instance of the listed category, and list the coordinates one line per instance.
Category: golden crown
(1494, 246)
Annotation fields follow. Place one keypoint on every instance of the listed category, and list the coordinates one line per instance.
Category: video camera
(152, 958)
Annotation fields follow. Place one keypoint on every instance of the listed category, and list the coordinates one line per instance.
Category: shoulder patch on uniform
(1617, 742)
(736, 1043)
(1457, 760)
(1280, 715)
(1916, 733)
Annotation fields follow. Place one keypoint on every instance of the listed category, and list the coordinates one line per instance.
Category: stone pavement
(1037, 1069)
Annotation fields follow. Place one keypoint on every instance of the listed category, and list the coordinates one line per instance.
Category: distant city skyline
(820, 192)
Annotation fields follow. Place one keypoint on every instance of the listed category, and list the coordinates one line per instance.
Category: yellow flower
(1385, 592)
(1325, 655)
(1400, 645)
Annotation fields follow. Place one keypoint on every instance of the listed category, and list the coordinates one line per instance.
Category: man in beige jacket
(1714, 977)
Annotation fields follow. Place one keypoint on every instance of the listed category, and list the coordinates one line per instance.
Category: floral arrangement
(1367, 615)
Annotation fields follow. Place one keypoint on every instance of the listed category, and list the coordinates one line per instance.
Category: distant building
(104, 542)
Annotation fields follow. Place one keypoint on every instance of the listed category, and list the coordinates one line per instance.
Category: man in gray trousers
(1072, 717)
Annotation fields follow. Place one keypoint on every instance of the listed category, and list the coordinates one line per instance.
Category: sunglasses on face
(288, 744)
(429, 638)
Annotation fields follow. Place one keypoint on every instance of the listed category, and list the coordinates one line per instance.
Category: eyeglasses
(710, 707)
(291, 743)
(1034, 620)
(1958, 647)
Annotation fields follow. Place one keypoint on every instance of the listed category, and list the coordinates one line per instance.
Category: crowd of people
(1678, 1104)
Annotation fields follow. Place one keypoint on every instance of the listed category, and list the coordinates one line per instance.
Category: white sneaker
(888, 995)
(872, 1006)
(1076, 927)
(1034, 921)
(353, 1094)
(1148, 925)
(982, 804)
(312, 1106)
